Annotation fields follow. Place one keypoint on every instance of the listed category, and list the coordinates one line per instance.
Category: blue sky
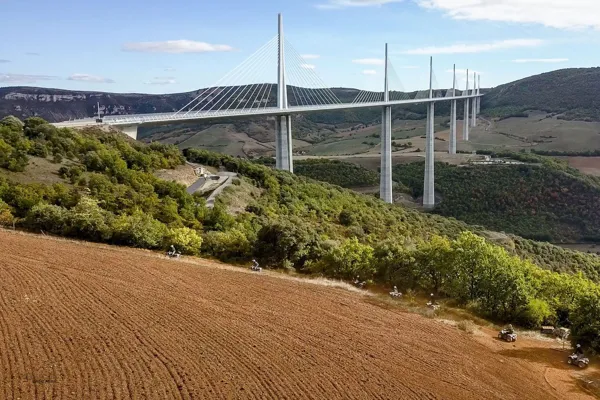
(156, 46)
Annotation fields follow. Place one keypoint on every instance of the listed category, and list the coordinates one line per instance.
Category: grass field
(39, 170)
(537, 131)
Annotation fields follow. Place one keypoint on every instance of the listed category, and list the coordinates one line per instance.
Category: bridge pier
(385, 173)
(283, 143)
(453, 104)
(429, 183)
(385, 188)
(130, 130)
(474, 112)
(466, 118)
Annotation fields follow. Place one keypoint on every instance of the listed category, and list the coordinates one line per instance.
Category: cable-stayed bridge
(252, 89)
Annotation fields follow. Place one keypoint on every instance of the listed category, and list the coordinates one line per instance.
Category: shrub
(50, 218)
(139, 230)
(88, 220)
(6, 217)
(535, 314)
(186, 240)
(232, 245)
(349, 260)
(585, 321)
(467, 325)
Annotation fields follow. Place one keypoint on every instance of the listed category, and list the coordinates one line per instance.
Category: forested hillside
(543, 201)
(572, 91)
(109, 194)
(337, 172)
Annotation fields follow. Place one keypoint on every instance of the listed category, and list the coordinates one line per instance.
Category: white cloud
(175, 47)
(4, 61)
(369, 61)
(308, 66)
(476, 48)
(169, 69)
(572, 14)
(161, 80)
(369, 72)
(337, 4)
(21, 78)
(310, 56)
(89, 78)
(540, 60)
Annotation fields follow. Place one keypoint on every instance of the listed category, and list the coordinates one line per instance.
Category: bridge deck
(139, 119)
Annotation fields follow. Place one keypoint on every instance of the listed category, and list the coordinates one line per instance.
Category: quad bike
(578, 360)
(173, 254)
(256, 268)
(360, 284)
(505, 335)
(395, 293)
(433, 305)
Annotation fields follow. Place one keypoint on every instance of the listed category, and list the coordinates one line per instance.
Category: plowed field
(85, 321)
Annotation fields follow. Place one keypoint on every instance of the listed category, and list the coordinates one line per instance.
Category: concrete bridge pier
(385, 188)
(429, 182)
(283, 143)
(474, 112)
(466, 118)
(452, 141)
(385, 183)
(130, 130)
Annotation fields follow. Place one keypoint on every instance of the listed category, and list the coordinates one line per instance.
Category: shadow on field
(556, 358)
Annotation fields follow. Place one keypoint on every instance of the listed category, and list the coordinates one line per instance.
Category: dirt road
(85, 321)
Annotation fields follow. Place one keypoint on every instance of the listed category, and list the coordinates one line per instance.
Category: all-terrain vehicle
(173, 253)
(255, 267)
(360, 284)
(395, 293)
(505, 335)
(579, 360)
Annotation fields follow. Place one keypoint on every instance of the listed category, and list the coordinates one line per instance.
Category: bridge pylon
(428, 187)
(283, 122)
(385, 189)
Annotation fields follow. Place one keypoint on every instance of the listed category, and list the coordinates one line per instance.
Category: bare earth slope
(88, 321)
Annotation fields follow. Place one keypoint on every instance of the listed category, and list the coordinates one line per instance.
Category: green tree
(186, 240)
(585, 319)
(139, 230)
(348, 260)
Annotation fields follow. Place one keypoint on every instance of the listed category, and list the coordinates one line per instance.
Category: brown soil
(85, 321)
(587, 165)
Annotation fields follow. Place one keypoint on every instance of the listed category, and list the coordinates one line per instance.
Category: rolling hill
(571, 92)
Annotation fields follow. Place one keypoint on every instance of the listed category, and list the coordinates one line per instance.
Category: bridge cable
(244, 76)
(218, 83)
(326, 92)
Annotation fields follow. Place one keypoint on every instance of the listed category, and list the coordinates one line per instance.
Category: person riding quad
(509, 329)
(579, 350)
(254, 264)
